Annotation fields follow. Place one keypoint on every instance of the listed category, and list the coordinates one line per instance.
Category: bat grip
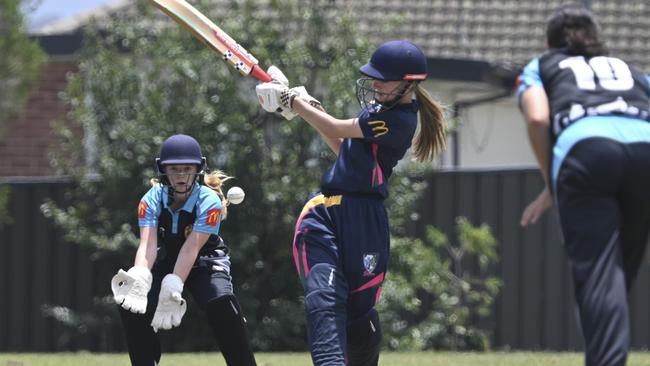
(260, 74)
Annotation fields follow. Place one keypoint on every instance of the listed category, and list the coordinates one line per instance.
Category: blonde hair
(213, 180)
(431, 139)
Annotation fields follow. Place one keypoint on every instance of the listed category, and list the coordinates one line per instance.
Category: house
(26, 144)
(475, 48)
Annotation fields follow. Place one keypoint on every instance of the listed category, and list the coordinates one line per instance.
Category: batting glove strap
(287, 113)
(286, 98)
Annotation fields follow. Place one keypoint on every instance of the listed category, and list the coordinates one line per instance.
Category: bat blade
(215, 38)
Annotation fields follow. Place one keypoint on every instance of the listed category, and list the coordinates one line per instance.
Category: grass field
(302, 359)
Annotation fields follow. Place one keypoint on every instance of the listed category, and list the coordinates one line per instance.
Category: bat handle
(260, 74)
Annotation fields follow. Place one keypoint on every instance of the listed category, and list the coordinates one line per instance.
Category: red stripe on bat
(233, 47)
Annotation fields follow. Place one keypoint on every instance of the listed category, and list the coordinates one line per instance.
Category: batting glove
(130, 288)
(277, 75)
(275, 97)
(171, 305)
(302, 94)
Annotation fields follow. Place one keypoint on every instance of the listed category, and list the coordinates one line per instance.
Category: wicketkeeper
(179, 220)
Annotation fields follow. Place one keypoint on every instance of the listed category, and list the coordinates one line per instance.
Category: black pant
(603, 195)
(204, 283)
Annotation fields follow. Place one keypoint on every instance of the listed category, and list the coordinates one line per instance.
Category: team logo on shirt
(187, 231)
(142, 209)
(213, 217)
(379, 128)
(370, 263)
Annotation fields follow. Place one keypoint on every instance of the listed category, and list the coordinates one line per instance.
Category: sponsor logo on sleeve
(213, 217)
(379, 128)
(142, 209)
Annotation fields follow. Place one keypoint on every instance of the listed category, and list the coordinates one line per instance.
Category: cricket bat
(215, 38)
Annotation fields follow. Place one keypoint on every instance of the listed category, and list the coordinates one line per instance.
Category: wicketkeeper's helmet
(180, 149)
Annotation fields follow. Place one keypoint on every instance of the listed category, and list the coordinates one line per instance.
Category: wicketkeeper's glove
(130, 288)
(171, 305)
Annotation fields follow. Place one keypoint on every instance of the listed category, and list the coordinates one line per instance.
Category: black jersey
(579, 86)
(170, 242)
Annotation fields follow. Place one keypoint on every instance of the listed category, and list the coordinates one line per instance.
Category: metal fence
(37, 267)
(535, 310)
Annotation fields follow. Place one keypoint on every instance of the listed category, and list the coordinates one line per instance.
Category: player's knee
(325, 288)
(364, 340)
(224, 307)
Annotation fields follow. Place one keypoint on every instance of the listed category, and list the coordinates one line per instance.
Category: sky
(40, 12)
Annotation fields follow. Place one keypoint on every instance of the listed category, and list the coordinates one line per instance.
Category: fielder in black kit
(587, 117)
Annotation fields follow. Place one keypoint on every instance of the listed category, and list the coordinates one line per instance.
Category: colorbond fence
(535, 310)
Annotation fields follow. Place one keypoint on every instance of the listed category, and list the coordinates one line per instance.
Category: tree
(440, 289)
(144, 78)
(20, 62)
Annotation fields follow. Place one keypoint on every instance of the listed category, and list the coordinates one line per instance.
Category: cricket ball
(235, 195)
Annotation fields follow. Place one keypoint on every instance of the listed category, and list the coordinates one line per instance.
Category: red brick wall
(25, 143)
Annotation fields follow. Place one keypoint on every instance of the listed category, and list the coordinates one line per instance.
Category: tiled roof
(508, 31)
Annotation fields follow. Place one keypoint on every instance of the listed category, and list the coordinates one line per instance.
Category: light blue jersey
(207, 202)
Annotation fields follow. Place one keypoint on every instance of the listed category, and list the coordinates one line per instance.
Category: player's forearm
(188, 254)
(333, 143)
(145, 258)
(327, 125)
(540, 142)
(536, 112)
(147, 251)
(185, 261)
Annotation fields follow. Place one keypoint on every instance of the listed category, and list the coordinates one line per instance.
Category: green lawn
(302, 359)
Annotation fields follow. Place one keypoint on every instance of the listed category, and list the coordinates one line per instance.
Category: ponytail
(431, 138)
(214, 180)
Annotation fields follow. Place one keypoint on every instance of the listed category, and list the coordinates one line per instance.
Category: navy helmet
(398, 60)
(180, 149)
